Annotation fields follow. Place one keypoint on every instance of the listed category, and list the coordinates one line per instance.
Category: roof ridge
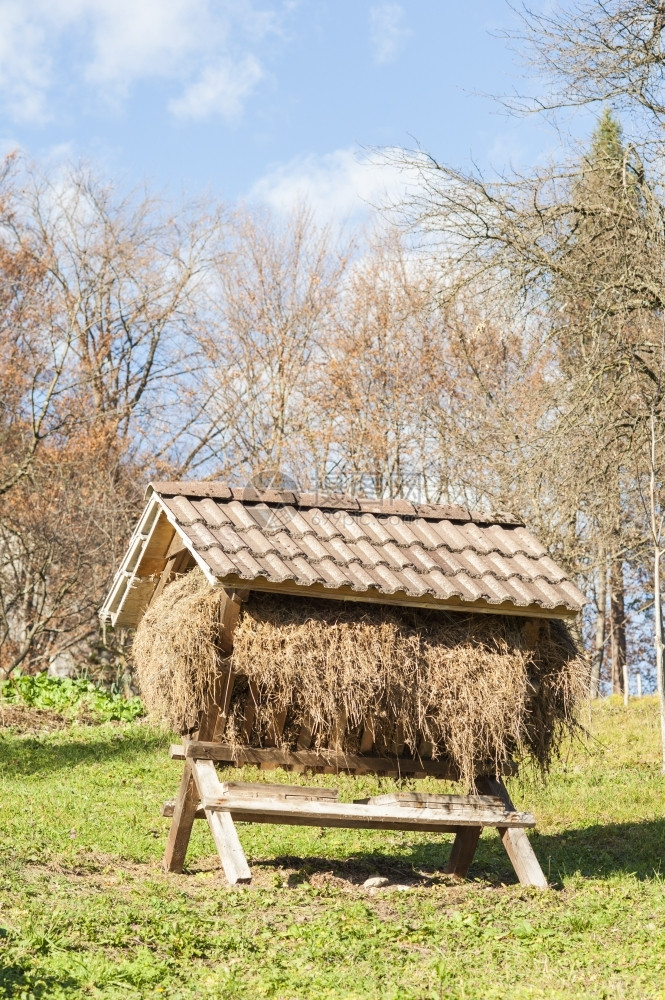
(332, 500)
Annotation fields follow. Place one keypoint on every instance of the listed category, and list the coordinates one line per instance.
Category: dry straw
(175, 650)
(442, 684)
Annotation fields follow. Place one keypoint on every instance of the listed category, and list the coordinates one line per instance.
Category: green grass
(85, 910)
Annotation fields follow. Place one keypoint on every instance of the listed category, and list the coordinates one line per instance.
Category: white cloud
(342, 186)
(24, 66)
(51, 48)
(219, 90)
(387, 31)
(132, 40)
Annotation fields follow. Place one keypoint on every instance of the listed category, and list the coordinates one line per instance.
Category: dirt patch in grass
(28, 721)
(347, 876)
(22, 719)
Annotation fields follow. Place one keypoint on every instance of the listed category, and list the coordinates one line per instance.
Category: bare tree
(372, 380)
(271, 306)
(579, 255)
(97, 323)
(596, 50)
(657, 525)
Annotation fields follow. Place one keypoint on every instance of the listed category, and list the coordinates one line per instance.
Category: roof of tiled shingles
(389, 546)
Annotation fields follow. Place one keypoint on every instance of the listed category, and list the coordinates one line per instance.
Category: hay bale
(466, 686)
(176, 651)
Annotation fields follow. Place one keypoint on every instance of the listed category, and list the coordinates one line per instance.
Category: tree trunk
(658, 553)
(617, 627)
(660, 648)
(599, 639)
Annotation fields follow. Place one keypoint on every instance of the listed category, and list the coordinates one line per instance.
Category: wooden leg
(517, 844)
(221, 825)
(182, 822)
(229, 847)
(463, 850)
(187, 799)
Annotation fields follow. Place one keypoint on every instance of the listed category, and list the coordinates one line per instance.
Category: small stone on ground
(375, 883)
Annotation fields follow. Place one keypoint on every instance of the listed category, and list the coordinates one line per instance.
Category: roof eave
(399, 598)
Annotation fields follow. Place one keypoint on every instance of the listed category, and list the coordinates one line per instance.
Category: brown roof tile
(213, 514)
(220, 564)
(391, 547)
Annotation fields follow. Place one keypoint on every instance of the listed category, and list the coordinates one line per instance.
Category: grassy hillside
(85, 910)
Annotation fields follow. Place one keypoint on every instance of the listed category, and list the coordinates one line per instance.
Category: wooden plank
(531, 629)
(248, 789)
(276, 727)
(304, 740)
(221, 825)
(433, 801)
(229, 848)
(306, 733)
(382, 736)
(332, 813)
(228, 616)
(517, 844)
(312, 759)
(222, 828)
(207, 782)
(255, 789)
(463, 850)
(173, 560)
(397, 746)
(229, 613)
(339, 730)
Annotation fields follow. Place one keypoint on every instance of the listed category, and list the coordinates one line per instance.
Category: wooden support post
(184, 812)
(229, 848)
(368, 736)
(517, 844)
(187, 801)
(221, 825)
(178, 560)
(225, 687)
(275, 729)
(463, 850)
(250, 711)
(187, 798)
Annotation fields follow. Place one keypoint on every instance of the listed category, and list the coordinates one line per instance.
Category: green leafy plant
(70, 697)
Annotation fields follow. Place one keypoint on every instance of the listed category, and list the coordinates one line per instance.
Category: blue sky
(265, 99)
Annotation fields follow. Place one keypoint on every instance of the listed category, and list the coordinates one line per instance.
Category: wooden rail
(312, 760)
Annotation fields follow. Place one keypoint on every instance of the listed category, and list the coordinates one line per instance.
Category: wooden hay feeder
(390, 558)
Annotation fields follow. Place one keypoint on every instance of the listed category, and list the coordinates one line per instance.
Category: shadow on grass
(20, 980)
(601, 850)
(29, 755)
(594, 851)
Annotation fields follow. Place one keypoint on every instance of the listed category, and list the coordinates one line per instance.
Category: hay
(176, 653)
(441, 684)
